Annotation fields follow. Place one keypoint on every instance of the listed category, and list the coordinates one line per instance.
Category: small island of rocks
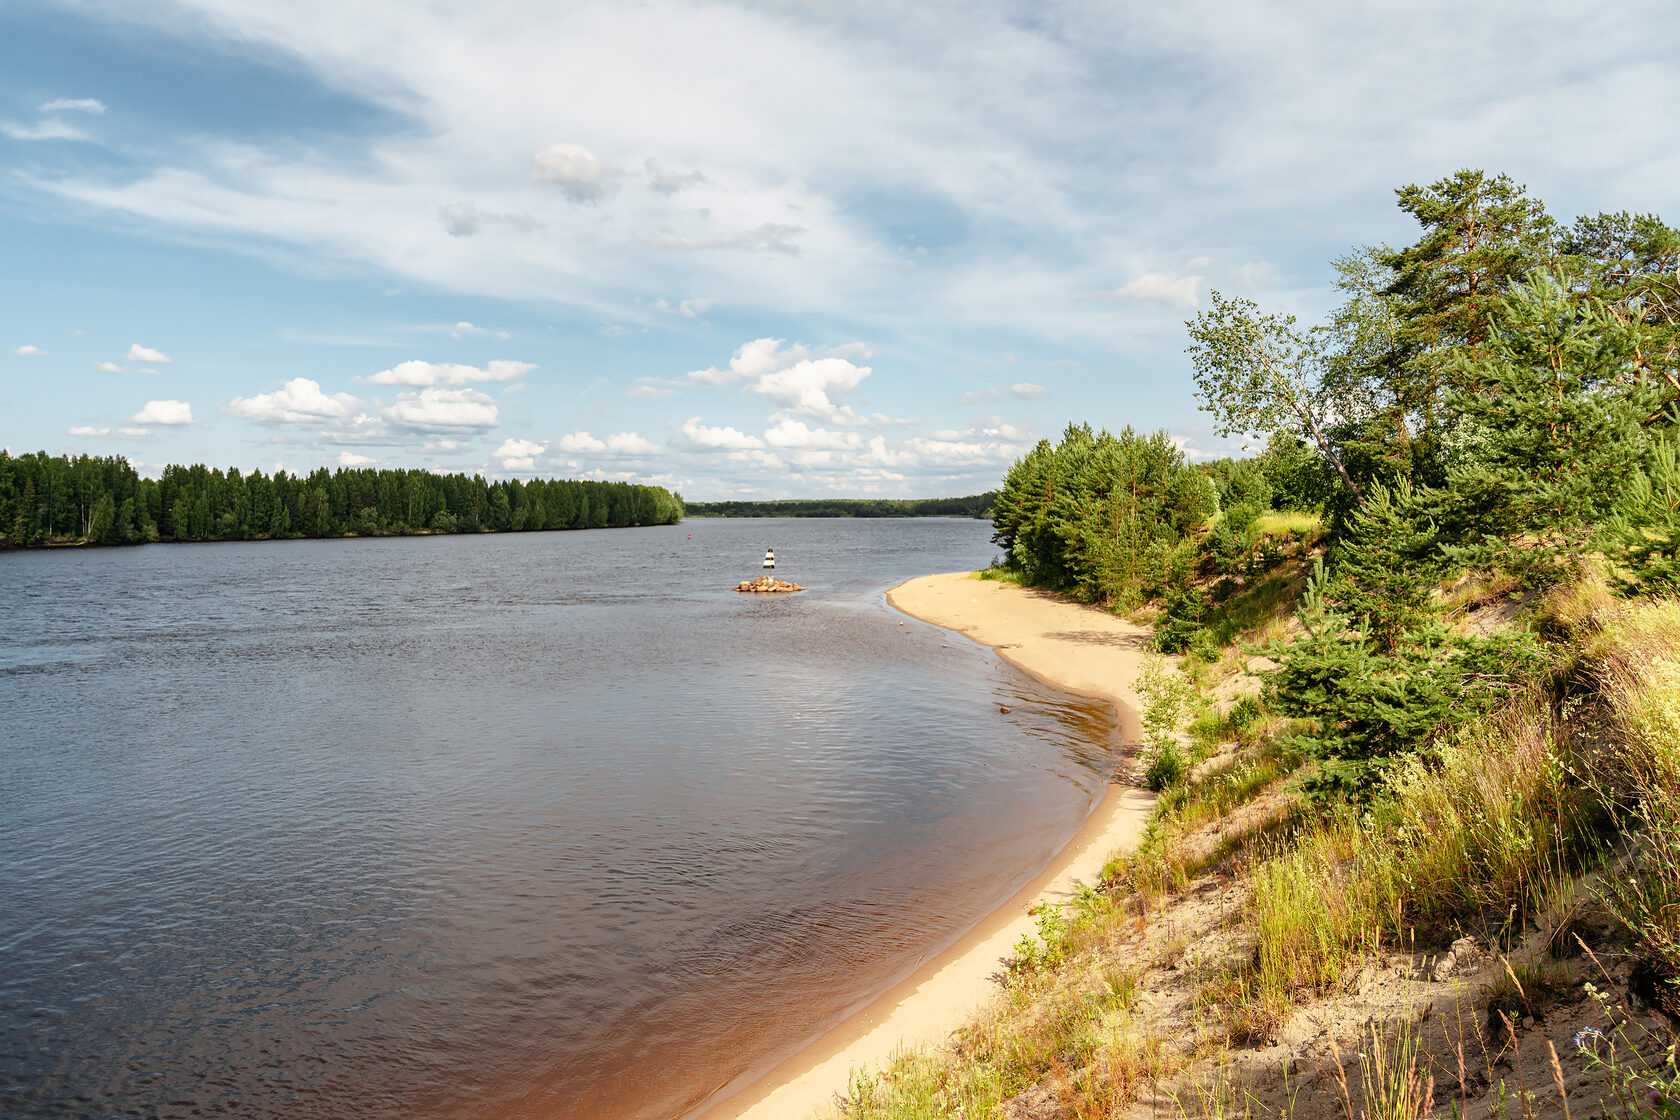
(767, 584)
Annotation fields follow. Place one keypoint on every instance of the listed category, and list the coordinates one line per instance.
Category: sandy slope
(1074, 647)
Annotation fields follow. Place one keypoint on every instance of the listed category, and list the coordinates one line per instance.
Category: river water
(527, 825)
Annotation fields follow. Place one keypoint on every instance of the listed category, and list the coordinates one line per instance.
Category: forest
(1501, 395)
(46, 500)
(1413, 711)
(976, 505)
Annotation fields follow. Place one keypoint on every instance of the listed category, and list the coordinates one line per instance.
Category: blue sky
(739, 250)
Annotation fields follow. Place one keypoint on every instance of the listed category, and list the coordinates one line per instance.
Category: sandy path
(1073, 647)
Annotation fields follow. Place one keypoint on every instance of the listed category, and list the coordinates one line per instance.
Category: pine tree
(1551, 433)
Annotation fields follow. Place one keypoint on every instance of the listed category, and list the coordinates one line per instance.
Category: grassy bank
(1500, 899)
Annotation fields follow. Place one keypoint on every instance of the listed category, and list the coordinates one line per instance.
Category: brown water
(546, 824)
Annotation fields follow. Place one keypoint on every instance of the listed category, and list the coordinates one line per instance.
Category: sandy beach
(1074, 647)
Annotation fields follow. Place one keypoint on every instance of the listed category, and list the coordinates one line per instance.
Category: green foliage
(1385, 567)
(1550, 428)
(1101, 516)
(1166, 697)
(1259, 373)
(1366, 709)
(1643, 536)
(977, 505)
(69, 500)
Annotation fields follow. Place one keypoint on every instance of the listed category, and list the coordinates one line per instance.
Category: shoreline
(1072, 647)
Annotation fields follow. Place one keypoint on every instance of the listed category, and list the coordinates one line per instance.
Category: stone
(767, 585)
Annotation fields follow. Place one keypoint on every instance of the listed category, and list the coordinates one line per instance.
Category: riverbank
(1074, 647)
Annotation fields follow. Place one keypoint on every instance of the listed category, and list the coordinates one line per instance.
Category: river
(522, 825)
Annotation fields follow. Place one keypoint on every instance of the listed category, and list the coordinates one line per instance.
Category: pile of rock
(767, 584)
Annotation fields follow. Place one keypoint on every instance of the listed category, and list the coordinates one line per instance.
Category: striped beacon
(769, 559)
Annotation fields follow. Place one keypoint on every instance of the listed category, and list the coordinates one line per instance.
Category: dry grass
(1493, 831)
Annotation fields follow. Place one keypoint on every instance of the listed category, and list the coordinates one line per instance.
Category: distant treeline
(976, 505)
(59, 499)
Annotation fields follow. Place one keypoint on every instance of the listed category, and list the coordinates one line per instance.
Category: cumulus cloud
(770, 237)
(351, 459)
(1027, 391)
(806, 388)
(139, 353)
(164, 413)
(1180, 292)
(418, 373)
(668, 180)
(110, 367)
(792, 434)
(27, 351)
(518, 454)
(799, 384)
(74, 105)
(697, 436)
(620, 443)
(84, 430)
(298, 401)
(972, 447)
(456, 411)
(688, 308)
(579, 173)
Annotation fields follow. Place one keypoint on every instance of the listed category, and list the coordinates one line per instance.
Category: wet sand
(1074, 647)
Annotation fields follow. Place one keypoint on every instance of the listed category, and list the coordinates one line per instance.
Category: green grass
(1002, 575)
(1290, 523)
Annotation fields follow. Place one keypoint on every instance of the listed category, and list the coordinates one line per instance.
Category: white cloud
(688, 308)
(581, 175)
(1181, 292)
(1253, 276)
(351, 459)
(87, 431)
(298, 401)
(418, 373)
(698, 436)
(134, 432)
(974, 396)
(74, 105)
(27, 351)
(460, 411)
(1027, 391)
(110, 367)
(668, 180)
(465, 219)
(46, 130)
(460, 219)
(620, 443)
(164, 413)
(465, 329)
(518, 454)
(806, 388)
(139, 353)
(997, 445)
(789, 433)
(149, 372)
(769, 237)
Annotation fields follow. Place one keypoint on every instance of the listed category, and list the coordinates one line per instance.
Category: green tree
(1259, 373)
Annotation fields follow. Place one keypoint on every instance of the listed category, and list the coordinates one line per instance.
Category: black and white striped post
(770, 562)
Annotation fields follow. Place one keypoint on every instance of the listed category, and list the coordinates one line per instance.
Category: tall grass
(1638, 671)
